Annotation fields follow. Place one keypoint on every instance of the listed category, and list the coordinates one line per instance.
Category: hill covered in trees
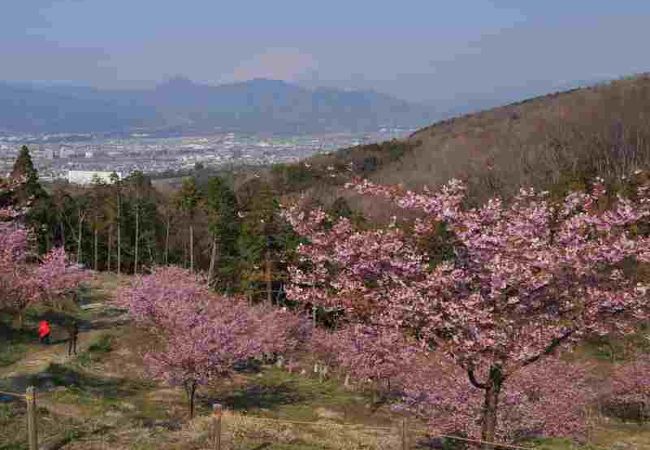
(554, 141)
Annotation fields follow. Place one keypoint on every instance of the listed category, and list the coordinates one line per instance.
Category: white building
(86, 177)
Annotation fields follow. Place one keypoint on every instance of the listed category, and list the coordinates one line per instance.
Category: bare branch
(548, 350)
(474, 381)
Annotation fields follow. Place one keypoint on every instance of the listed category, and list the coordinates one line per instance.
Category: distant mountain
(183, 106)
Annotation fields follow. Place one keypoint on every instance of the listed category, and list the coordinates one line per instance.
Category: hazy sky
(415, 49)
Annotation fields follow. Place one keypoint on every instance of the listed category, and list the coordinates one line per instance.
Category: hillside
(182, 106)
(103, 397)
(549, 141)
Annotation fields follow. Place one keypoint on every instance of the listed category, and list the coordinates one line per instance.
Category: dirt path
(38, 356)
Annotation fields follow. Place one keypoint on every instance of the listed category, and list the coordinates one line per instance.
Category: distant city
(58, 156)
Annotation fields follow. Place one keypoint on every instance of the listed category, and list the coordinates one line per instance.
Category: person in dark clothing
(72, 342)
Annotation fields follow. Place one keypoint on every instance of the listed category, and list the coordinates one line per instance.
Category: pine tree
(31, 193)
(223, 225)
(188, 199)
(24, 170)
(24, 167)
(264, 242)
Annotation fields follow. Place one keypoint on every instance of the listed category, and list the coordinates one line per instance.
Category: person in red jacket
(44, 332)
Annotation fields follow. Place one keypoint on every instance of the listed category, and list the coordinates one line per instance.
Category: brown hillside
(550, 140)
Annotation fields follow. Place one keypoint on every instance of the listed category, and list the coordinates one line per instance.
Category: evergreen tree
(39, 218)
(188, 199)
(141, 222)
(264, 243)
(223, 225)
(24, 167)
(117, 187)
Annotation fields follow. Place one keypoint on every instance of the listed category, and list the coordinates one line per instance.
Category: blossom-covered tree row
(523, 278)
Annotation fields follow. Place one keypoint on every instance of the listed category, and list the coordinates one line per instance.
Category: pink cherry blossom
(525, 277)
(198, 336)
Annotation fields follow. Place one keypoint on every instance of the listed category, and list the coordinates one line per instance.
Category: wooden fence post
(217, 412)
(32, 432)
(403, 434)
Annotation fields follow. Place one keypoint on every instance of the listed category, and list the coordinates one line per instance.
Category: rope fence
(402, 428)
(364, 427)
(404, 432)
(12, 394)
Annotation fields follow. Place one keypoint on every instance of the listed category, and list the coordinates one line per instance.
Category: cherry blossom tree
(550, 399)
(23, 281)
(57, 278)
(199, 336)
(17, 280)
(523, 279)
(17, 285)
(365, 353)
(283, 332)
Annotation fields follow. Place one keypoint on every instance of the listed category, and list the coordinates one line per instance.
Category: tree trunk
(119, 234)
(213, 263)
(167, 240)
(48, 247)
(185, 253)
(62, 228)
(79, 238)
(191, 247)
(137, 239)
(269, 281)
(110, 247)
(96, 258)
(190, 390)
(152, 259)
(490, 406)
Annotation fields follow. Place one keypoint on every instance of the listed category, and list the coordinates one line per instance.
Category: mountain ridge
(258, 105)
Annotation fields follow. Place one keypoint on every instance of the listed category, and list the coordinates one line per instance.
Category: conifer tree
(24, 167)
(223, 222)
(31, 193)
(188, 200)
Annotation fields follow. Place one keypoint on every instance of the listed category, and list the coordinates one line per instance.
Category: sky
(418, 50)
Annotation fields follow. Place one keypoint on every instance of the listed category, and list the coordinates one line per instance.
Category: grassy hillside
(103, 398)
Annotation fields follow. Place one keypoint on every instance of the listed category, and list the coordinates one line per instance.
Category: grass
(618, 350)
(96, 350)
(275, 393)
(13, 341)
(11, 352)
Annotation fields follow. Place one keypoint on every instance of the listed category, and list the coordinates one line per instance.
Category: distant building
(85, 177)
